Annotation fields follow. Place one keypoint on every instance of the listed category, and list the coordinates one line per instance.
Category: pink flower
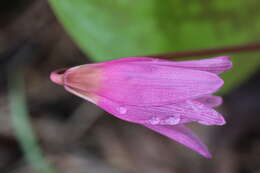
(159, 94)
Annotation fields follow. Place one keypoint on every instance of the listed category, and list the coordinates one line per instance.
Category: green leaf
(109, 29)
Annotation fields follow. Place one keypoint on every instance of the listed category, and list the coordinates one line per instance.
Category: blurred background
(45, 129)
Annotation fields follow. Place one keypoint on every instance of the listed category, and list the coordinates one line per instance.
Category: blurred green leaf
(109, 29)
(21, 122)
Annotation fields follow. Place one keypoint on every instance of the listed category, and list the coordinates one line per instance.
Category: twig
(209, 52)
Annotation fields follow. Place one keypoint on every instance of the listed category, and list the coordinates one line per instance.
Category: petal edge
(183, 135)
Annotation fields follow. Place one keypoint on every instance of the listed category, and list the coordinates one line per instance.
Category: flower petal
(185, 112)
(148, 84)
(183, 135)
(215, 65)
(83, 94)
(196, 111)
(139, 114)
(179, 133)
(210, 101)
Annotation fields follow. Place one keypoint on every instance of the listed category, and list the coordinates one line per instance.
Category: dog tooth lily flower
(159, 94)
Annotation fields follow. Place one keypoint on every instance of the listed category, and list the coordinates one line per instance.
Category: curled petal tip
(224, 57)
(207, 155)
(222, 121)
(227, 62)
(183, 135)
(57, 76)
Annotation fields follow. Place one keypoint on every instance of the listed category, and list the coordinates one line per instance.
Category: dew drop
(122, 110)
(172, 120)
(154, 120)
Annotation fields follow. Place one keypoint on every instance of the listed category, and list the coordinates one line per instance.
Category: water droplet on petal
(122, 110)
(154, 120)
(173, 120)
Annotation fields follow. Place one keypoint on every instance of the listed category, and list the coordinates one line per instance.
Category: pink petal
(183, 112)
(210, 101)
(57, 76)
(134, 113)
(179, 133)
(85, 77)
(149, 84)
(188, 111)
(83, 94)
(215, 65)
(196, 111)
(183, 135)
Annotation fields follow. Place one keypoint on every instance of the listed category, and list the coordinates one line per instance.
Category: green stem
(21, 122)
